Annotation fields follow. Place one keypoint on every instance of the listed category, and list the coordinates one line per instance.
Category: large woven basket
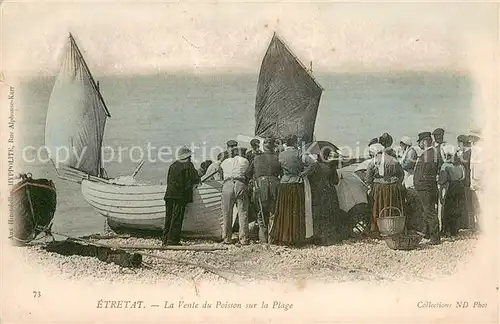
(391, 225)
(403, 241)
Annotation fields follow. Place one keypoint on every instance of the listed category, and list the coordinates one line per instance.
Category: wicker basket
(403, 241)
(391, 225)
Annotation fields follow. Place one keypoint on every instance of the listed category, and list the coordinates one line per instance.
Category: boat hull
(141, 208)
(33, 206)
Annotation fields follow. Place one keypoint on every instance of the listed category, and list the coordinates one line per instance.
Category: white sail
(76, 116)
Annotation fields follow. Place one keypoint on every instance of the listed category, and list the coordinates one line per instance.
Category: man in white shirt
(234, 191)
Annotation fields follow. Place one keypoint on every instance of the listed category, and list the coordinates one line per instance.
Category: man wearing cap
(181, 178)
(235, 191)
(465, 155)
(254, 151)
(425, 182)
(265, 170)
(229, 146)
(253, 209)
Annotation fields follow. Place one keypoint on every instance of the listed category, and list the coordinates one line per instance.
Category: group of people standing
(414, 180)
(419, 180)
(269, 183)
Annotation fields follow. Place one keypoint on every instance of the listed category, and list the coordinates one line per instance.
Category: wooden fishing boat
(33, 207)
(76, 120)
(141, 207)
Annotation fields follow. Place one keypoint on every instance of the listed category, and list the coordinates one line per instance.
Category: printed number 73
(37, 294)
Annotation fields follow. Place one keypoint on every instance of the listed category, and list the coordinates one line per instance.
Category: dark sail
(287, 96)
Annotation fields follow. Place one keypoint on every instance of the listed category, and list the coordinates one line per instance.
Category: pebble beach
(362, 259)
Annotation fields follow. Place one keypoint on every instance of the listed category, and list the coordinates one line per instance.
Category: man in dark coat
(254, 151)
(425, 182)
(181, 178)
(265, 170)
(438, 143)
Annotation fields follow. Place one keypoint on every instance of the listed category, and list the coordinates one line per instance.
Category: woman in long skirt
(452, 196)
(289, 226)
(325, 202)
(385, 176)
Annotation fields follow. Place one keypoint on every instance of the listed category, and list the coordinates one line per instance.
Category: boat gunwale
(19, 186)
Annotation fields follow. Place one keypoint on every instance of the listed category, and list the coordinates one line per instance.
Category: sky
(202, 37)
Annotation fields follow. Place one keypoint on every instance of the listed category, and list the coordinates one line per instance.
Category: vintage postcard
(250, 161)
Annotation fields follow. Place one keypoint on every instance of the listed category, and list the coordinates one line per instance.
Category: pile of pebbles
(353, 260)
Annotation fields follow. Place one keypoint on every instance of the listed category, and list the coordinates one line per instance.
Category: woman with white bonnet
(452, 194)
(409, 154)
(360, 170)
(384, 176)
(404, 146)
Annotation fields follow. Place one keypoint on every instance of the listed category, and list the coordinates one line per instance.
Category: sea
(171, 110)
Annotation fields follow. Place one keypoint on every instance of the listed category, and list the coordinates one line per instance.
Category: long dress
(387, 189)
(289, 225)
(451, 177)
(325, 203)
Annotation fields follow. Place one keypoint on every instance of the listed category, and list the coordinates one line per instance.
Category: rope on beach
(172, 247)
(221, 273)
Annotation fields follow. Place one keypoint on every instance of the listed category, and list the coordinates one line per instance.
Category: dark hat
(438, 131)
(205, 164)
(385, 140)
(232, 143)
(373, 141)
(254, 142)
(424, 135)
(463, 139)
